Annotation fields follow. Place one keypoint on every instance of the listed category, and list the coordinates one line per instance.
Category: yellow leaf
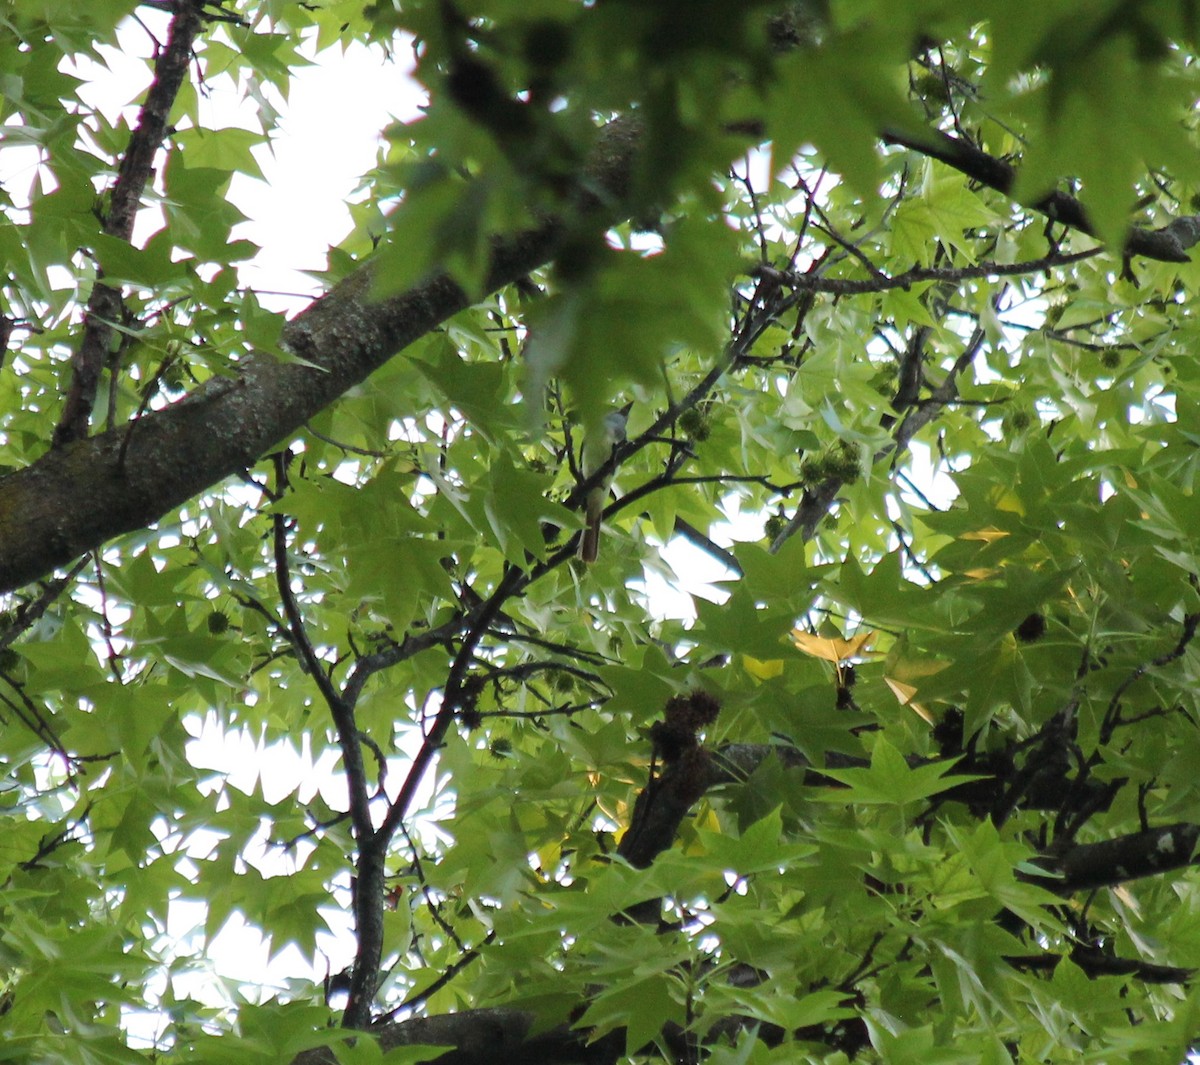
(1010, 501)
(1126, 896)
(761, 670)
(706, 818)
(832, 649)
(922, 713)
(988, 536)
(904, 693)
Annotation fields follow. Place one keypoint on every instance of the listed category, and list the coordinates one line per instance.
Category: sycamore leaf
(761, 669)
(904, 695)
(642, 1007)
(890, 780)
(832, 649)
(757, 849)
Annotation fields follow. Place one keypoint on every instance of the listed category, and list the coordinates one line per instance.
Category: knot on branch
(677, 734)
(666, 799)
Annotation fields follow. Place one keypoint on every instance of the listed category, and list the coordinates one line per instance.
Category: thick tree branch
(488, 1036)
(76, 497)
(1113, 861)
(661, 808)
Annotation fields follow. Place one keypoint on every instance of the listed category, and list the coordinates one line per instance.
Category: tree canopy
(899, 298)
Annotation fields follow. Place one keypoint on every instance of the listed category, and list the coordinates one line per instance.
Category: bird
(598, 448)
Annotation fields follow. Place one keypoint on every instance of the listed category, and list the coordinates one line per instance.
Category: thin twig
(1112, 716)
(448, 974)
(27, 614)
(882, 282)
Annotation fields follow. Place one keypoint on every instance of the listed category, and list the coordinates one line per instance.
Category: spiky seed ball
(1032, 628)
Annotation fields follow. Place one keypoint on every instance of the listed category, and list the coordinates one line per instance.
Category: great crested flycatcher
(597, 450)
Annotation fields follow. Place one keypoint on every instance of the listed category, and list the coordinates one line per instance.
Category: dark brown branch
(418, 998)
(6, 328)
(431, 903)
(926, 410)
(368, 665)
(488, 1036)
(105, 305)
(452, 697)
(340, 711)
(694, 536)
(1095, 962)
(27, 613)
(1169, 244)
(484, 1037)
(76, 497)
(879, 282)
(1112, 716)
(666, 800)
(817, 500)
(369, 866)
(75, 832)
(524, 670)
(553, 646)
(1114, 861)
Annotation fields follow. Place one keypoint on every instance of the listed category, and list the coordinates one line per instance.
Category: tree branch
(1168, 244)
(76, 497)
(106, 305)
(1110, 862)
(369, 866)
(1096, 962)
(817, 500)
(479, 1037)
(880, 282)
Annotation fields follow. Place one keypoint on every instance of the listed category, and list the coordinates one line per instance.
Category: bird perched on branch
(597, 451)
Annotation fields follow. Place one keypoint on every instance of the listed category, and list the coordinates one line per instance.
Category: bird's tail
(589, 542)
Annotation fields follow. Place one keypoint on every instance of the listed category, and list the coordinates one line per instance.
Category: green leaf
(641, 1007)
(758, 848)
(890, 780)
(517, 504)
